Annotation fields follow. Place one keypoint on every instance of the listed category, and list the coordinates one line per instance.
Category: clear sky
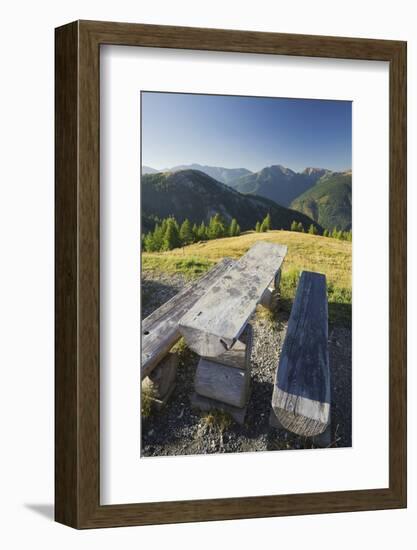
(245, 132)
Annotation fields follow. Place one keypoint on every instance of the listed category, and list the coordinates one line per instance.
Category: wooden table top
(215, 321)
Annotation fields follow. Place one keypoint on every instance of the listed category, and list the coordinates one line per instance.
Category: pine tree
(148, 244)
(164, 225)
(195, 233)
(300, 227)
(258, 227)
(158, 236)
(171, 237)
(233, 228)
(325, 233)
(202, 232)
(216, 228)
(263, 226)
(186, 233)
(267, 222)
(237, 230)
(294, 226)
(312, 230)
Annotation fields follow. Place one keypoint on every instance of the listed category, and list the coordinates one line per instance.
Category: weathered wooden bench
(301, 395)
(214, 327)
(160, 333)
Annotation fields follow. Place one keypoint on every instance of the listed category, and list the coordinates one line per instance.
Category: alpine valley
(314, 196)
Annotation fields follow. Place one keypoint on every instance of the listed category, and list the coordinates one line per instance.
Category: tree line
(312, 230)
(264, 225)
(169, 234)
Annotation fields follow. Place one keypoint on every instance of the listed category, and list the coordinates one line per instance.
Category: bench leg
(160, 383)
(270, 297)
(223, 382)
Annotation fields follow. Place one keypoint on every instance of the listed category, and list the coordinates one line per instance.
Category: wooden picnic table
(160, 330)
(216, 320)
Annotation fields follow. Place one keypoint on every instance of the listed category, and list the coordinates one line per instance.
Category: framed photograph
(230, 274)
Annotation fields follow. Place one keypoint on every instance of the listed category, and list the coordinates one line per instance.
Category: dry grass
(305, 253)
(216, 421)
(146, 403)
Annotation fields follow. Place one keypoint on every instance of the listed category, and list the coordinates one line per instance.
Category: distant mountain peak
(312, 171)
(279, 168)
(219, 173)
(148, 170)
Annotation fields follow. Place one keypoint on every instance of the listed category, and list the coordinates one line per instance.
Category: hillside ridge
(193, 195)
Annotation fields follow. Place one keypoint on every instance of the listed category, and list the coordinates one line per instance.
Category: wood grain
(160, 330)
(66, 238)
(301, 396)
(227, 381)
(77, 373)
(217, 319)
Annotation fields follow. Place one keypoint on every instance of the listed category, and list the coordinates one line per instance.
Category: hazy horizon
(347, 169)
(245, 132)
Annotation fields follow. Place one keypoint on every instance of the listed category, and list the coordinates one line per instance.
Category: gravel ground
(179, 430)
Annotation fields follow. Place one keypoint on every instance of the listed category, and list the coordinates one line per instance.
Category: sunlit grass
(305, 253)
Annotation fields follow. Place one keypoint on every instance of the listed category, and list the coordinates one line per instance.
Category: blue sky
(245, 132)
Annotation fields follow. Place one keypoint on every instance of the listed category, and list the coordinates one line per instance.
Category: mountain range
(148, 170)
(278, 183)
(329, 201)
(194, 195)
(321, 194)
(225, 175)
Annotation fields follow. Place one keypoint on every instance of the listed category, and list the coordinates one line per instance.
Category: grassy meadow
(326, 255)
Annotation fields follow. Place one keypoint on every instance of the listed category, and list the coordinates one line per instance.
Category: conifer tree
(257, 227)
(300, 227)
(216, 228)
(171, 238)
(202, 232)
(186, 233)
(294, 226)
(164, 225)
(195, 233)
(312, 230)
(158, 236)
(148, 243)
(237, 230)
(233, 228)
(267, 222)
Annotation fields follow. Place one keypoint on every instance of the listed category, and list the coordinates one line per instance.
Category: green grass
(305, 252)
(165, 262)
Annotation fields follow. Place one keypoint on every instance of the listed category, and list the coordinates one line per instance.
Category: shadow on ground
(45, 510)
(180, 430)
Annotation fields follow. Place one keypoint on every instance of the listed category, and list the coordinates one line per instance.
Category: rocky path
(178, 430)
